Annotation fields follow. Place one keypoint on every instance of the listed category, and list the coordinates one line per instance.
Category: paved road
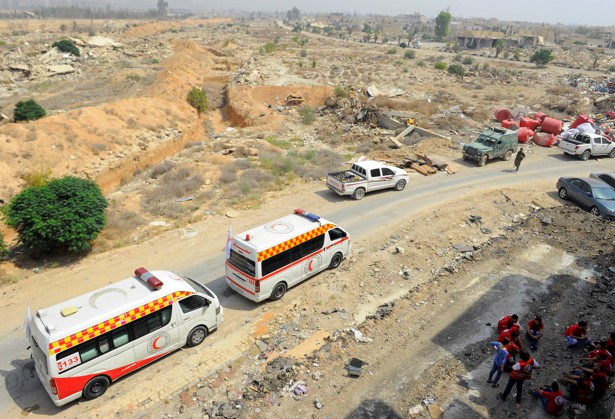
(364, 219)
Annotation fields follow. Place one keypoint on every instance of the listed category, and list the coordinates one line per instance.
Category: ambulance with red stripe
(83, 344)
(267, 260)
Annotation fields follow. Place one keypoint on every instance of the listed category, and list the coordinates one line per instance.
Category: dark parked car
(591, 194)
(605, 177)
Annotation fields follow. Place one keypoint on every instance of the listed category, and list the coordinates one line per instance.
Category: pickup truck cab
(366, 176)
(586, 145)
(490, 144)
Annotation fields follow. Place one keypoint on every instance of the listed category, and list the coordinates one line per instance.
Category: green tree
(65, 214)
(499, 47)
(197, 98)
(457, 69)
(542, 57)
(443, 21)
(66, 45)
(293, 14)
(162, 7)
(4, 250)
(28, 110)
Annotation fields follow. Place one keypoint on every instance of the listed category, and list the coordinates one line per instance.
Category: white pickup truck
(585, 145)
(366, 176)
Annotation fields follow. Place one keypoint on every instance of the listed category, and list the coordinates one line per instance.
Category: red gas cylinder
(552, 126)
(581, 119)
(544, 139)
(501, 114)
(510, 124)
(540, 116)
(524, 134)
(529, 123)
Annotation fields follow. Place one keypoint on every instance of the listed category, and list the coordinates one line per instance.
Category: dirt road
(425, 214)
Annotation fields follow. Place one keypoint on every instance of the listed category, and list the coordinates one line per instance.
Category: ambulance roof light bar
(308, 215)
(147, 277)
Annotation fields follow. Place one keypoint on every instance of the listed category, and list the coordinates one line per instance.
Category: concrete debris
(358, 336)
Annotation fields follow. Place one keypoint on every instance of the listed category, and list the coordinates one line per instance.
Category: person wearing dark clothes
(522, 371)
(519, 158)
(551, 397)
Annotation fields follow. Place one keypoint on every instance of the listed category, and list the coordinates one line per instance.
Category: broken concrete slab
(61, 69)
(101, 41)
(19, 67)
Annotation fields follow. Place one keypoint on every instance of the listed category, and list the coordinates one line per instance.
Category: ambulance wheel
(508, 155)
(400, 185)
(483, 161)
(96, 387)
(358, 194)
(197, 336)
(336, 261)
(279, 291)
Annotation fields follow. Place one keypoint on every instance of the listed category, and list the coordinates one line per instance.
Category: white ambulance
(83, 344)
(267, 260)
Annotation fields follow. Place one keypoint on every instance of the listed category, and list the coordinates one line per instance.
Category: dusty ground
(122, 120)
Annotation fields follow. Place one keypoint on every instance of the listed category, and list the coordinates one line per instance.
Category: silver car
(605, 177)
(591, 194)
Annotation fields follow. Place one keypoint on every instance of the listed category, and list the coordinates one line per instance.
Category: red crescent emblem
(155, 343)
(310, 264)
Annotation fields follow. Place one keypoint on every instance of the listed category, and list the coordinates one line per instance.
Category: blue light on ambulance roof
(308, 215)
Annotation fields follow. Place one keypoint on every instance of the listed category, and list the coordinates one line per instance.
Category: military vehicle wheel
(594, 211)
(508, 155)
(482, 161)
(400, 185)
(563, 193)
(465, 157)
(279, 291)
(585, 155)
(358, 194)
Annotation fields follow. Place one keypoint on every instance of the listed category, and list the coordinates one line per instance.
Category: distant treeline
(74, 12)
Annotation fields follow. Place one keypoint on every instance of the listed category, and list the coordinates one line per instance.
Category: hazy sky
(586, 12)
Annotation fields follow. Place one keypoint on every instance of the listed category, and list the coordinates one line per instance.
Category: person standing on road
(520, 156)
(534, 331)
(521, 372)
(499, 361)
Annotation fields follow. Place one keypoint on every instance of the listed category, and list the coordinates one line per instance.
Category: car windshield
(604, 193)
(485, 140)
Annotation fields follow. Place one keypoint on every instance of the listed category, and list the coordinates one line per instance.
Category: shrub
(341, 91)
(403, 45)
(392, 51)
(542, 57)
(37, 178)
(467, 60)
(410, 54)
(457, 69)
(161, 168)
(268, 48)
(28, 110)
(458, 58)
(308, 115)
(303, 53)
(65, 214)
(611, 68)
(197, 98)
(66, 45)
(4, 250)
(421, 63)
(440, 65)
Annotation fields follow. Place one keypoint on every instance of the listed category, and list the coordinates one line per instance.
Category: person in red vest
(580, 387)
(521, 372)
(576, 335)
(507, 322)
(513, 335)
(551, 397)
(534, 331)
(600, 356)
(598, 378)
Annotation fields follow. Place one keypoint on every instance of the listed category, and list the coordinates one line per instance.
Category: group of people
(588, 381)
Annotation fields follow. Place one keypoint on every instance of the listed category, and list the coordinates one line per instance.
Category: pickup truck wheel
(279, 291)
(563, 193)
(358, 194)
(612, 154)
(482, 161)
(585, 155)
(400, 185)
(336, 261)
(508, 155)
(594, 211)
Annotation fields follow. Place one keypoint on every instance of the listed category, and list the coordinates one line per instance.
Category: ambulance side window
(336, 233)
(192, 303)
